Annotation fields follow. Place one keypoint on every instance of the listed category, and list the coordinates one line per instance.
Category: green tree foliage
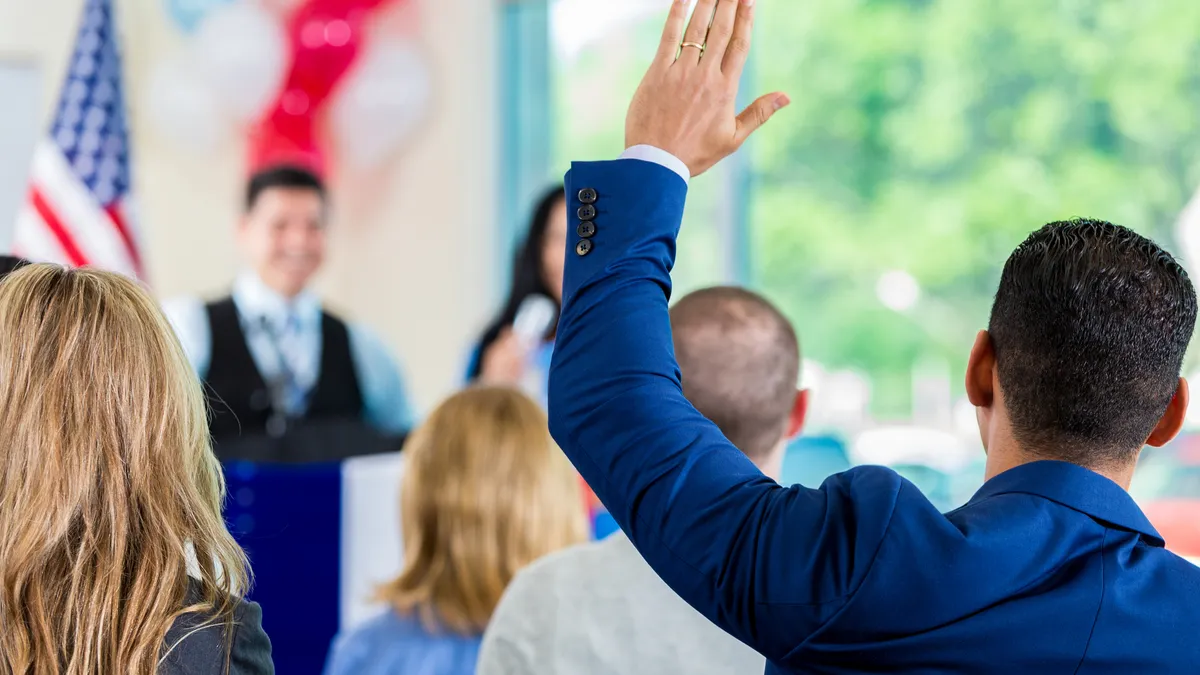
(933, 135)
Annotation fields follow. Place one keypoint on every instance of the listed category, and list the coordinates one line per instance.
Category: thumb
(758, 113)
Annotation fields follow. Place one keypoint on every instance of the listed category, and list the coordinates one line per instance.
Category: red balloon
(325, 37)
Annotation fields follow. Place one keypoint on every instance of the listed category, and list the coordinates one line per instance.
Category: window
(600, 52)
(19, 132)
(927, 138)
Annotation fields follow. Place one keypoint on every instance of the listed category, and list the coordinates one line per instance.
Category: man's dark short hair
(1090, 326)
(9, 263)
(285, 176)
(740, 363)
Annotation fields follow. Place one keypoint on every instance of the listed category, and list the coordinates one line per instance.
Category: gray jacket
(194, 649)
(598, 609)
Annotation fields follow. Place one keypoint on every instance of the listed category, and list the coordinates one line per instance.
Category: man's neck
(772, 464)
(253, 282)
(1008, 455)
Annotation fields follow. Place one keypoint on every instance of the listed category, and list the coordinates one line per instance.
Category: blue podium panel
(288, 518)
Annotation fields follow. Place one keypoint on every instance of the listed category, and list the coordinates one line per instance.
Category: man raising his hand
(1050, 568)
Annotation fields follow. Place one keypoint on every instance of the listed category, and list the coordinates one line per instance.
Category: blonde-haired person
(114, 557)
(485, 492)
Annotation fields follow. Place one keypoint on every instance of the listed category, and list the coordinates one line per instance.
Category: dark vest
(239, 399)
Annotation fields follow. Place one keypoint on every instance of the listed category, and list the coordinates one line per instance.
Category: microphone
(534, 318)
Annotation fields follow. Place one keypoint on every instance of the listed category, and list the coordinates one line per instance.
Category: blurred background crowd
(433, 135)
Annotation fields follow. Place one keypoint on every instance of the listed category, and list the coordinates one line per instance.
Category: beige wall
(414, 248)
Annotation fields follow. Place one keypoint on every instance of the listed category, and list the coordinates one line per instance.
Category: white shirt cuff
(649, 153)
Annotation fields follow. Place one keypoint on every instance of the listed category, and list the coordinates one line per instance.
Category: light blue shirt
(392, 644)
(298, 322)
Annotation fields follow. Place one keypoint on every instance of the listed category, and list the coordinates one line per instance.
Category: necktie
(291, 360)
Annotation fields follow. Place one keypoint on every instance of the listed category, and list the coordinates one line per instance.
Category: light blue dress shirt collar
(255, 301)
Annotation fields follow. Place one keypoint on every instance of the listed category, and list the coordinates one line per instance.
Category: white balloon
(240, 51)
(381, 103)
(182, 108)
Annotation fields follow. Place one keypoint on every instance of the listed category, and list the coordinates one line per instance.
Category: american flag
(77, 211)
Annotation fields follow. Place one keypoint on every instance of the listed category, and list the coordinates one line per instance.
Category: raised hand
(686, 103)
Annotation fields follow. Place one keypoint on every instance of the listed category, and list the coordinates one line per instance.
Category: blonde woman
(485, 492)
(113, 554)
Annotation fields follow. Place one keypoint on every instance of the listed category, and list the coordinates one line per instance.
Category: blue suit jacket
(1050, 568)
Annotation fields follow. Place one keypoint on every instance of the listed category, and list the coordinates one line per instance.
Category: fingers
(668, 49)
(739, 42)
(721, 31)
(697, 31)
(753, 117)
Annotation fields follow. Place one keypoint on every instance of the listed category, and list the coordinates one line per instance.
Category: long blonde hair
(109, 491)
(485, 492)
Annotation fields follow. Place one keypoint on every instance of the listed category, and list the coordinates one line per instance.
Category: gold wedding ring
(695, 45)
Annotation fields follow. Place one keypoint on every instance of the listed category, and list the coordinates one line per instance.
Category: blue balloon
(188, 14)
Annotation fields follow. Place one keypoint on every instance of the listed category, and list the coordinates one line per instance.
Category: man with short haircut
(271, 355)
(599, 608)
(1050, 568)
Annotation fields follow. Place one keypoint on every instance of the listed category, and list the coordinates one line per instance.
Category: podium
(288, 519)
(309, 442)
(285, 506)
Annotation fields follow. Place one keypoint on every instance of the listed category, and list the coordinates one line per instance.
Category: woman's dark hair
(9, 263)
(527, 278)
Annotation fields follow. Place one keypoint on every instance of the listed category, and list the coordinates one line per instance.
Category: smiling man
(1050, 568)
(270, 355)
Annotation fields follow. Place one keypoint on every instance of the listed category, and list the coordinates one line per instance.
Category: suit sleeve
(770, 565)
(251, 654)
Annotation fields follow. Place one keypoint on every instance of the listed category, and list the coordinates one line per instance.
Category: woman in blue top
(501, 356)
(485, 492)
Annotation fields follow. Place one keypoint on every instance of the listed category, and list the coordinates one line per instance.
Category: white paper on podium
(372, 548)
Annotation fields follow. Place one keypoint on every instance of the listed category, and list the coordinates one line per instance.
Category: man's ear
(1172, 420)
(981, 368)
(798, 415)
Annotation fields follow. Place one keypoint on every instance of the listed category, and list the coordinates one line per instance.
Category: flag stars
(71, 116)
(84, 166)
(65, 139)
(105, 193)
(77, 90)
(96, 118)
(89, 144)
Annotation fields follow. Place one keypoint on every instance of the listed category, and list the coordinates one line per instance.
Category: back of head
(106, 476)
(485, 492)
(1089, 327)
(740, 362)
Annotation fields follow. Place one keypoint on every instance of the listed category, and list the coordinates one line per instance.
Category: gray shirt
(599, 609)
